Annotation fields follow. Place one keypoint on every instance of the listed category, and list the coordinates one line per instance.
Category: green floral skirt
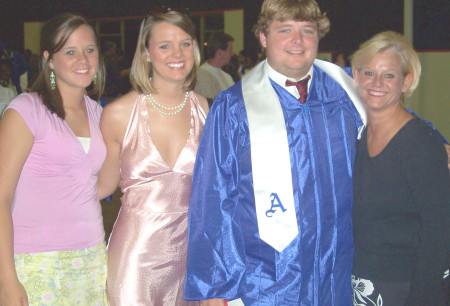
(64, 277)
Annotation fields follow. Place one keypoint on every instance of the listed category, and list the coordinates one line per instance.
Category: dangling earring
(52, 80)
(94, 80)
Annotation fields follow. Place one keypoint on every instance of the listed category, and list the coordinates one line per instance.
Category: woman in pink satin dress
(152, 135)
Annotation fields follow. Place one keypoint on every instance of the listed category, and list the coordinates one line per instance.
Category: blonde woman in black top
(401, 185)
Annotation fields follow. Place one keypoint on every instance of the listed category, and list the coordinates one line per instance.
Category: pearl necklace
(161, 108)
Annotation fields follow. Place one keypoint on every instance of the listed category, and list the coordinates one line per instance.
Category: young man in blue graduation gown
(270, 208)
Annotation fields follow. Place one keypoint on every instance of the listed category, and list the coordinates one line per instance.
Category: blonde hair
(141, 70)
(282, 10)
(393, 42)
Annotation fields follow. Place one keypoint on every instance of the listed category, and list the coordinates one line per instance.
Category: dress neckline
(188, 139)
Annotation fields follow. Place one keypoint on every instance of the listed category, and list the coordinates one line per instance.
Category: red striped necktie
(302, 87)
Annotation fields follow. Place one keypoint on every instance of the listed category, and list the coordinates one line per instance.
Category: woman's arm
(16, 141)
(429, 181)
(113, 124)
(447, 148)
(109, 175)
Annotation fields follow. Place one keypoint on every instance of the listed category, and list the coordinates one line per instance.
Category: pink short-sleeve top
(56, 206)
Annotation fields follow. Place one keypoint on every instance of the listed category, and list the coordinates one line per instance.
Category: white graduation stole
(271, 163)
(342, 78)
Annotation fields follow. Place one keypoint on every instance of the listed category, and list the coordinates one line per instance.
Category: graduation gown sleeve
(216, 264)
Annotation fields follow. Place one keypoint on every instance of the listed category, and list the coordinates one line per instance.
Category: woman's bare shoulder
(119, 111)
(123, 102)
(203, 102)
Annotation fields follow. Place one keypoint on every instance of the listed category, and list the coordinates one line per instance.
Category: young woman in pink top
(52, 248)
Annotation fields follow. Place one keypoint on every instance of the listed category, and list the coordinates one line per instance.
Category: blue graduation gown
(226, 257)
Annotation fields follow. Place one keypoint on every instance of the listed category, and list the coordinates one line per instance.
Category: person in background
(247, 60)
(33, 62)
(20, 69)
(211, 79)
(270, 208)
(340, 58)
(52, 249)
(152, 135)
(116, 71)
(7, 89)
(232, 68)
(401, 185)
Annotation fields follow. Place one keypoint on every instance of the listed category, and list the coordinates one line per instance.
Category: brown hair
(54, 35)
(282, 10)
(217, 41)
(141, 70)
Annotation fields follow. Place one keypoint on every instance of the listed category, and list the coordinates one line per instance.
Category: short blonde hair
(282, 10)
(393, 42)
(141, 70)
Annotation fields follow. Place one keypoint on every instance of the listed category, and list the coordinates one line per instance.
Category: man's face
(227, 53)
(291, 46)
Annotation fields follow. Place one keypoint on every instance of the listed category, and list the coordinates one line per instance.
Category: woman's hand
(13, 294)
(212, 302)
(447, 147)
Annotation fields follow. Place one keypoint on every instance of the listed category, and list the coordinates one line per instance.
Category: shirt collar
(280, 79)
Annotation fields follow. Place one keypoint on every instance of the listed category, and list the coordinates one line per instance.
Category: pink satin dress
(147, 250)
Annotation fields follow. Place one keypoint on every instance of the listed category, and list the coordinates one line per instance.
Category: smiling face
(291, 46)
(77, 62)
(171, 52)
(381, 82)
